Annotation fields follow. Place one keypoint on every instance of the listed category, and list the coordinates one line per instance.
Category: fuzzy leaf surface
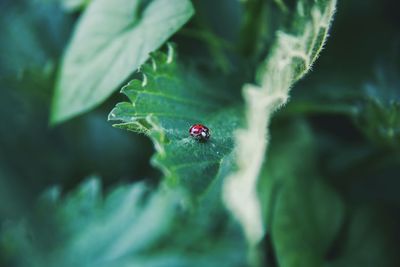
(292, 56)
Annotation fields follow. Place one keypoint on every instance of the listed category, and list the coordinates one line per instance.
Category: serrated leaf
(111, 40)
(88, 230)
(291, 57)
(130, 226)
(165, 104)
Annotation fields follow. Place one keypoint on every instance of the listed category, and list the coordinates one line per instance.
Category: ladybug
(199, 132)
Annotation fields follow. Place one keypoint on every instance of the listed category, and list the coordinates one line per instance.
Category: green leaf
(291, 57)
(303, 214)
(88, 230)
(165, 104)
(306, 220)
(129, 226)
(111, 40)
(368, 241)
(75, 5)
(378, 115)
(169, 100)
(23, 47)
(374, 106)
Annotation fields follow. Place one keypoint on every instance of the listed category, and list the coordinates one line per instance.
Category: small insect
(199, 132)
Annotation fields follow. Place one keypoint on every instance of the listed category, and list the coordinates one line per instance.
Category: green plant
(289, 177)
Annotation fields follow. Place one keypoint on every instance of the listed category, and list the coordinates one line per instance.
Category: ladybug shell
(199, 132)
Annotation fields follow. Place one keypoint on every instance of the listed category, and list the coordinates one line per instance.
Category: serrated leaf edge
(152, 129)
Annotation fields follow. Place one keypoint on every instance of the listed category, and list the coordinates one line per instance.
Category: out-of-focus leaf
(74, 5)
(10, 206)
(303, 214)
(111, 40)
(373, 106)
(367, 242)
(292, 55)
(379, 112)
(260, 21)
(38, 155)
(306, 220)
(88, 230)
(130, 226)
(23, 45)
(165, 104)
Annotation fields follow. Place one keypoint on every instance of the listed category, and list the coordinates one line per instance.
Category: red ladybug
(199, 132)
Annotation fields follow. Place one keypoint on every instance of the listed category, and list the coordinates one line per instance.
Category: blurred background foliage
(345, 115)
